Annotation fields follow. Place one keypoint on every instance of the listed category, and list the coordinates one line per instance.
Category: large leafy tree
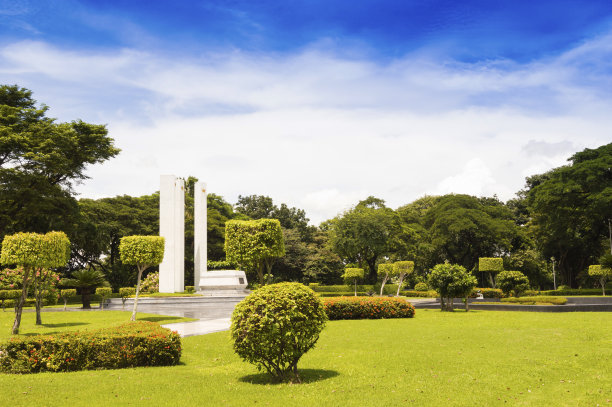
(570, 208)
(40, 161)
(365, 233)
(462, 228)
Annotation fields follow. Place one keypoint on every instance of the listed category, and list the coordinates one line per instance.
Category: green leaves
(451, 281)
(142, 250)
(490, 264)
(511, 281)
(353, 273)
(36, 250)
(254, 244)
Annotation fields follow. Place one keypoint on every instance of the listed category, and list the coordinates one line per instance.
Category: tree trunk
(355, 287)
(382, 286)
(467, 303)
(38, 300)
(399, 284)
(65, 303)
(133, 318)
(442, 305)
(491, 280)
(85, 297)
(602, 281)
(21, 302)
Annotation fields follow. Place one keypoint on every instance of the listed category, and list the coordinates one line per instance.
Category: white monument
(226, 283)
(172, 228)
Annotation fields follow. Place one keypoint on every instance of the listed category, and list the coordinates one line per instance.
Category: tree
(451, 281)
(44, 284)
(262, 207)
(254, 244)
(570, 207)
(602, 271)
(385, 271)
(513, 282)
(142, 252)
(492, 266)
(463, 228)
(352, 275)
(33, 252)
(40, 160)
(86, 280)
(364, 233)
(402, 269)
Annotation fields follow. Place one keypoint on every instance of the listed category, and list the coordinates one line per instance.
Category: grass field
(455, 359)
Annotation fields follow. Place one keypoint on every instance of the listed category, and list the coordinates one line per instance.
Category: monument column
(200, 232)
(172, 229)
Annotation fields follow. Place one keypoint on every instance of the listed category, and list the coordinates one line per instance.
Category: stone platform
(574, 304)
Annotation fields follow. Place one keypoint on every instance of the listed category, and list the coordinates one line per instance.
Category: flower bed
(128, 345)
(367, 308)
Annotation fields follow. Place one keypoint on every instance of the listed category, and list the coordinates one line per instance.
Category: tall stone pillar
(172, 228)
(200, 242)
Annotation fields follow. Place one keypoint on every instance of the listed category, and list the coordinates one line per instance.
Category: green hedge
(367, 308)
(128, 345)
(536, 300)
(578, 291)
(341, 288)
(342, 294)
(422, 294)
(487, 292)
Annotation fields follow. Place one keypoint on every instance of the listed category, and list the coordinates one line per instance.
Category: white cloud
(319, 131)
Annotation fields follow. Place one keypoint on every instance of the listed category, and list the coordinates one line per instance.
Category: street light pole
(554, 275)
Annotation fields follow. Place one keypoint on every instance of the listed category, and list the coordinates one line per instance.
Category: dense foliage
(275, 326)
(512, 282)
(254, 245)
(451, 281)
(129, 345)
(367, 308)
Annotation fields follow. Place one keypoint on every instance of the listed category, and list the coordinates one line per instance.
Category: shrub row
(342, 294)
(128, 345)
(579, 291)
(487, 292)
(536, 300)
(423, 294)
(367, 308)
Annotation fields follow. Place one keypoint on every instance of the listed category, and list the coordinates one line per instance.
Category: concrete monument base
(223, 283)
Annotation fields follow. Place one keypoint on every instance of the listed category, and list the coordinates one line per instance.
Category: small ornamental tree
(143, 252)
(66, 294)
(33, 252)
(254, 245)
(451, 280)
(104, 293)
(603, 273)
(275, 325)
(512, 282)
(45, 281)
(402, 269)
(125, 293)
(492, 266)
(351, 275)
(385, 271)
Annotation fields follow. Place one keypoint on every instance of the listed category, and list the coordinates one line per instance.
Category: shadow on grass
(64, 324)
(307, 376)
(157, 319)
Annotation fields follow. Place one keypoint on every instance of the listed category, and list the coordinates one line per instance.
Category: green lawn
(54, 322)
(454, 359)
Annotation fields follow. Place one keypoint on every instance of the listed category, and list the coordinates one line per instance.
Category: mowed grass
(455, 359)
(60, 321)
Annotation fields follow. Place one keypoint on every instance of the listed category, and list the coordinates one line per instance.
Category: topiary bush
(66, 294)
(352, 275)
(367, 308)
(513, 282)
(104, 293)
(189, 289)
(129, 345)
(125, 293)
(275, 325)
(421, 287)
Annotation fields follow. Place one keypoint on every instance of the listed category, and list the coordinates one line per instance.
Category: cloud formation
(319, 130)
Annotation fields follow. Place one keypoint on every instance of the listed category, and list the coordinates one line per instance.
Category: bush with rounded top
(402, 269)
(275, 325)
(421, 287)
(352, 275)
(513, 282)
(104, 293)
(451, 281)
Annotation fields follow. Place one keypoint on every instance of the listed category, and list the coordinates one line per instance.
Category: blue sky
(321, 103)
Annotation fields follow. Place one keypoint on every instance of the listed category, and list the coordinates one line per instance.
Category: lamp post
(554, 275)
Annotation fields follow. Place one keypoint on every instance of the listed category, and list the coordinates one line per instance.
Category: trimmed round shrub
(275, 325)
(367, 308)
(512, 282)
(421, 287)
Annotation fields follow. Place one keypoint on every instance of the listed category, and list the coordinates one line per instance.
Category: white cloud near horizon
(320, 131)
